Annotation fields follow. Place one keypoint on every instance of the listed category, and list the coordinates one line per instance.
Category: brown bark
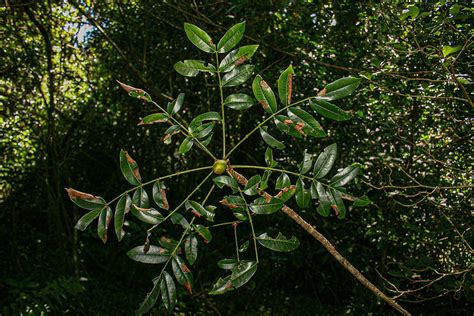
(326, 244)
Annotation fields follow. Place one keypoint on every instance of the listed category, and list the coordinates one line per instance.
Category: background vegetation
(64, 122)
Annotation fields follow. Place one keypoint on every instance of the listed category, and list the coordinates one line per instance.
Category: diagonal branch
(327, 244)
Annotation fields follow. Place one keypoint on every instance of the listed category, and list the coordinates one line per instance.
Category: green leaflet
(285, 85)
(191, 248)
(199, 38)
(325, 161)
(182, 273)
(260, 206)
(239, 101)
(280, 243)
(264, 94)
(329, 110)
(191, 68)
(237, 57)
(339, 89)
(85, 200)
(150, 298)
(222, 181)
(168, 291)
(154, 255)
(270, 140)
(237, 76)
(129, 168)
(231, 38)
(122, 208)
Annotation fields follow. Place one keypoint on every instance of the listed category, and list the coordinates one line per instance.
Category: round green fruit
(219, 166)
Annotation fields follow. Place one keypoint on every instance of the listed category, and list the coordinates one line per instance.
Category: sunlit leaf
(190, 68)
(339, 89)
(282, 181)
(179, 219)
(303, 197)
(336, 203)
(285, 85)
(239, 101)
(231, 38)
(269, 158)
(329, 110)
(306, 164)
(305, 123)
(237, 57)
(129, 168)
(280, 243)
(264, 94)
(345, 176)
(324, 200)
(154, 255)
(140, 198)
(251, 188)
(186, 145)
(325, 161)
(175, 105)
(199, 38)
(154, 118)
(85, 200)
(237, 76)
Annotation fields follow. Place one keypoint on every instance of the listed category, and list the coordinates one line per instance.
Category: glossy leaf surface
(325, 161)
(280, 243)
(264, 94)
(199, 38)
(129, 168)
(154, 255)
(231, 38)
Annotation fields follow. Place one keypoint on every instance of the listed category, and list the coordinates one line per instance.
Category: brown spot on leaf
(264, 84)
(268, 198)
(279, 194)
(240, 61)
(74, 195)
(196, 213)
(299, 128)
(184, 268)
(336, 210)
(227, 204)
(134, 166)
(164, 199)
(141, 209)
(290, 87)
(188, 287)
(288, 122)
(162, 250)
(228, 286)
(264, 104)
(322, 92)
(164, 138)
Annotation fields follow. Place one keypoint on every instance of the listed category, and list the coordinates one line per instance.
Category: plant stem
(222, 105)
(263, 123)
(251, 225)
(185, 130)
(182, 202)
(236, 242)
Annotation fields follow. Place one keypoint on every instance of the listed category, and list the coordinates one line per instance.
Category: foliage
(410, 128)
(230, 72)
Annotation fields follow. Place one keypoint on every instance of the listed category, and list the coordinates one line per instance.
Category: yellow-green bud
(219, 166)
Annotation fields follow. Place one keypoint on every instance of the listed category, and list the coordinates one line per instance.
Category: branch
(327, 244)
